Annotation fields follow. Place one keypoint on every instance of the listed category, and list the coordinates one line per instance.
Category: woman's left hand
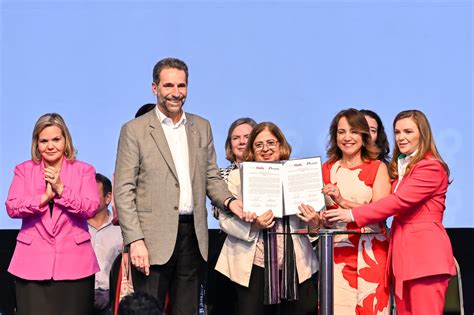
(53, 176)
(309, 215)
(338, 215)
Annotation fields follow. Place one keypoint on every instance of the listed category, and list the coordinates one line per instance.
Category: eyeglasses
(270, 144)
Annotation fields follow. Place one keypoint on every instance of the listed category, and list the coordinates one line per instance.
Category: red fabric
(423, 296)
(117, 291)
(362, 258)
(167, 308)
(367, 175)
(419, 245)
(115, 220)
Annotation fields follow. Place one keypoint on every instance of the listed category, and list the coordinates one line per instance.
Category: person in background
(139, 303)
(107, 243)
(242, 258)
(420, 258)
(353, 176)
(53, 194)
(219, 293)
(235, 144)
(144, 109)
(378, 135)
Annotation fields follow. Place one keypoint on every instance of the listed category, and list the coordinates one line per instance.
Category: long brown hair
(381, 142)
(426, 144)
(285, 148)
(358, 122)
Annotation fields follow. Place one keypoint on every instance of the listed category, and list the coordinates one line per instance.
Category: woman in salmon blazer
(54, 195)
(420, 255)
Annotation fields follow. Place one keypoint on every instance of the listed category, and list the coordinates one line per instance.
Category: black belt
(186, 218)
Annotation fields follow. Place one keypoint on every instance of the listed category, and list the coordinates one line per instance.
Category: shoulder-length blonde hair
(426, 144)
(47, 120)
(285, 148)
(358, 122)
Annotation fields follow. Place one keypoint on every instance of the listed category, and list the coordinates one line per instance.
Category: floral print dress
(359, 260)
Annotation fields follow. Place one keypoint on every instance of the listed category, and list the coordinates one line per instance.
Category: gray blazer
(146, 187)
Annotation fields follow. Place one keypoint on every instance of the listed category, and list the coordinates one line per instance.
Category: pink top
(53, 247)
(419, 245)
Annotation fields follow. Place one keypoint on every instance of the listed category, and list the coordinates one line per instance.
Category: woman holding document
(421, 259)
(272, 273)
(353, 177)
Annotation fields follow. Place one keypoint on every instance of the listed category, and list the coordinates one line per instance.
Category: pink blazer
(56, 247)
(419, 245)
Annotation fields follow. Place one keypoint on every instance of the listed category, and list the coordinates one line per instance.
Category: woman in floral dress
(353, 176)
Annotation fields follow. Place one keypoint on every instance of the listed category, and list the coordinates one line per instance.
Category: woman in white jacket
(272, 273)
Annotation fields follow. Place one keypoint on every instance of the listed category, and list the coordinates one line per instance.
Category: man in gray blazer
(165, 167)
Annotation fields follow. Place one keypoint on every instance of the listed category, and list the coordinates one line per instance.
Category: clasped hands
(54, 185)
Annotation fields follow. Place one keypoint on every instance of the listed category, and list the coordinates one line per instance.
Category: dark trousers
(51, 297)
(220, 295)
(250, 300)
(181, 276)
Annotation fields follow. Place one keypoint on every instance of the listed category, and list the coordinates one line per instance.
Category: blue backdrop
(295, 63)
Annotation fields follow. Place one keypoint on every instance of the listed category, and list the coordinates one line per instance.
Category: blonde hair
(426, 144)
(48, 120)
(229, 155)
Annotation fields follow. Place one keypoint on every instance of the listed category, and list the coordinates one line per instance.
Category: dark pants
(181, 276)
(220, 295)
(51, 297)
(250, 300)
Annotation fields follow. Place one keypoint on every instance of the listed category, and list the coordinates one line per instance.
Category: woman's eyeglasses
(270, 144)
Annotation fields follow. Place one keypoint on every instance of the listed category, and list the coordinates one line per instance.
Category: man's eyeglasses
(270, 144)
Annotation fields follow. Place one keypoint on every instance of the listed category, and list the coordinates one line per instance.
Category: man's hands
(139, 256)
(237, 208)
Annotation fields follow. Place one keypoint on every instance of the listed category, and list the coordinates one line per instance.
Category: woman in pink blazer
(54, 195)
(420, 256)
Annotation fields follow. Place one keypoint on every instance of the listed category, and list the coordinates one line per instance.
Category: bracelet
(226, 207)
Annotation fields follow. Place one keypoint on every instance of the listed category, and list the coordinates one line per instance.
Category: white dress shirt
(178, 143)
(107, 243)
(402, 163)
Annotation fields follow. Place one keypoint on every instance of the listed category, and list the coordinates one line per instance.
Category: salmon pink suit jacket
(54, 247)
(419, 244)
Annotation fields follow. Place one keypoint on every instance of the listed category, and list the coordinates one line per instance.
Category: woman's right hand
(334, 193)
(264, 221)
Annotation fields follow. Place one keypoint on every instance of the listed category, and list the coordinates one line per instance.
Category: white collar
(167, 121)
(402, 163)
